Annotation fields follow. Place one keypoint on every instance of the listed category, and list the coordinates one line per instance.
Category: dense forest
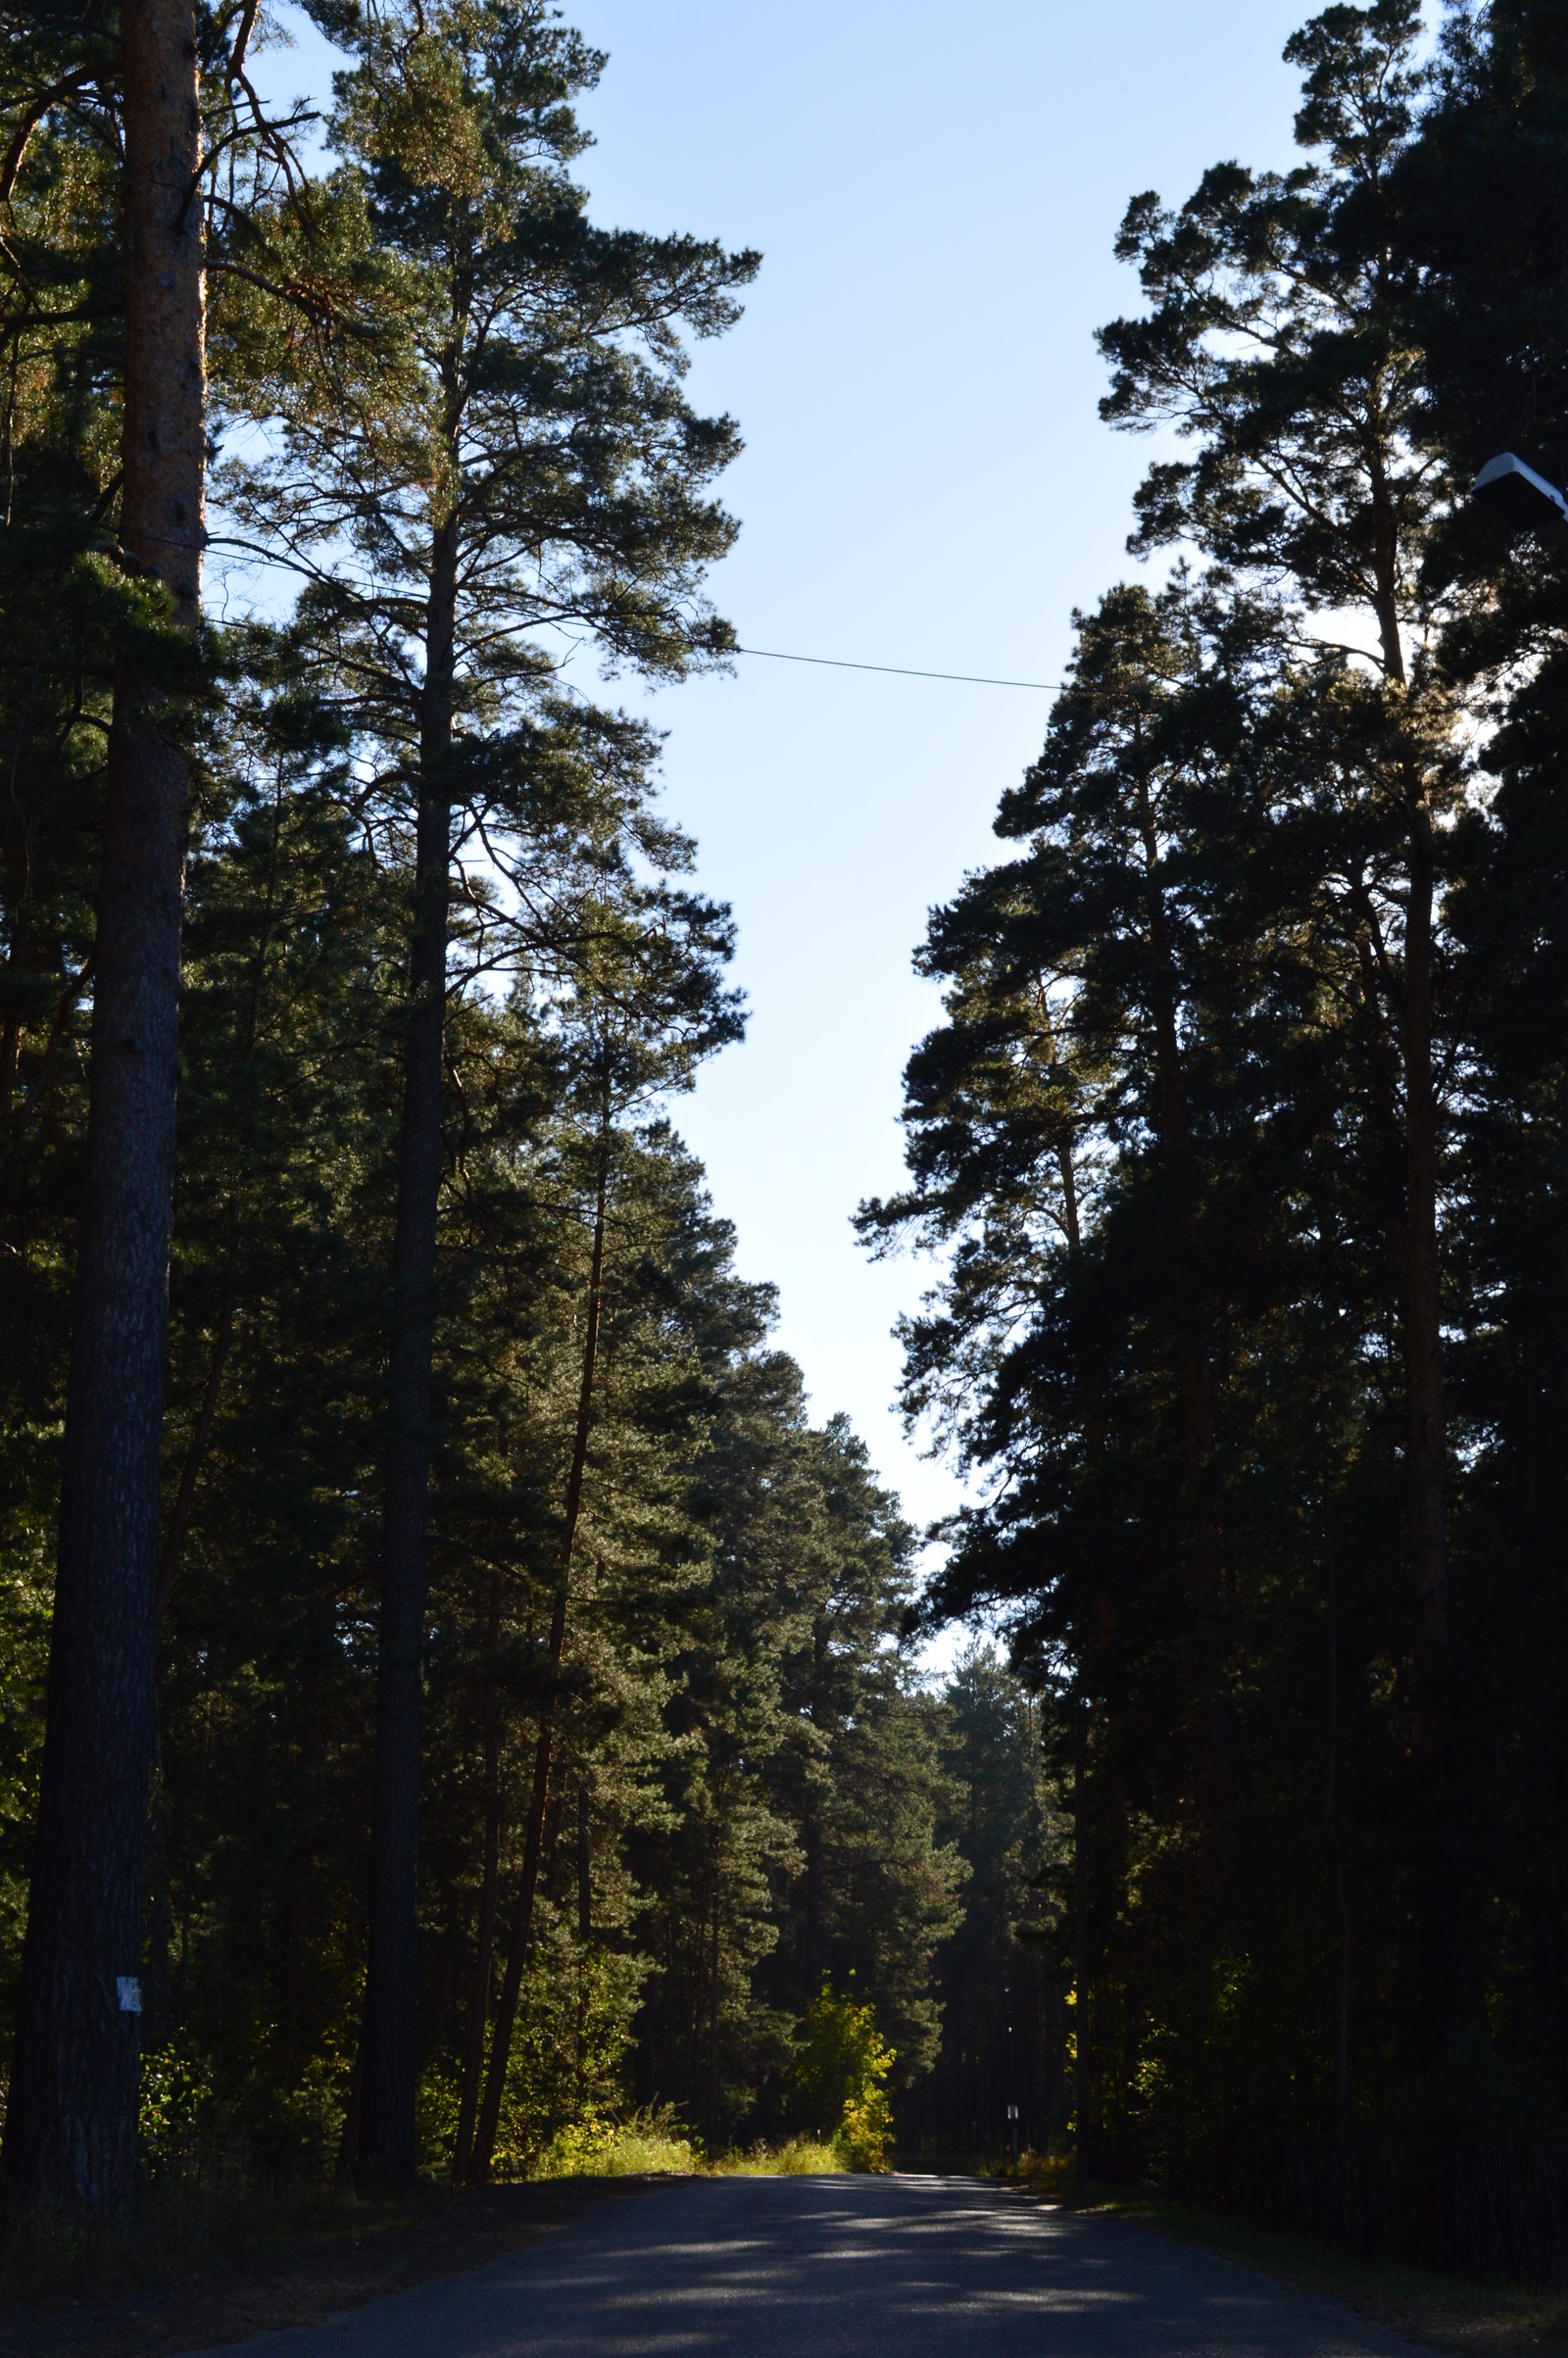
(480, 1700)
(454, 1700)
(1243, 1139)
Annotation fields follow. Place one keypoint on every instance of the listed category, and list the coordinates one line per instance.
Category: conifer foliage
(454, 1695)
(1242, 1140)
(483, 1702)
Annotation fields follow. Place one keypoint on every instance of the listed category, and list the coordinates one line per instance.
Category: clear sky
(926, 482)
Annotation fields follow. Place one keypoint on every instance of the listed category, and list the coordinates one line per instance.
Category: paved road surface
(900, 2266)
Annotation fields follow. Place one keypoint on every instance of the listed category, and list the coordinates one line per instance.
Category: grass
(655, 2143)
(801, 2157)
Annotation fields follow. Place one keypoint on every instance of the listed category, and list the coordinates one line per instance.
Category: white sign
(129, 1989)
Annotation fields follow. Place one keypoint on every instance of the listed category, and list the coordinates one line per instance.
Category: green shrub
(838, 2074)
(651, 2140)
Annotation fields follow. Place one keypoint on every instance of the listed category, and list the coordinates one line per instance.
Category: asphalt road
(900, 2266)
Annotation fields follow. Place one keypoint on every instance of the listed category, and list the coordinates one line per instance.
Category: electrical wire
(969, 679)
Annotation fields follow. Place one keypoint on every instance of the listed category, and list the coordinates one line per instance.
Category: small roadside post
(1012, 2133)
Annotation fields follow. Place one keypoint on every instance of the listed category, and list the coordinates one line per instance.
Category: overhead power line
(969, 679)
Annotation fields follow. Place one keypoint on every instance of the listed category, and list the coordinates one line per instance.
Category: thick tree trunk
(71, 2125)
(390, 2055)
(484, 2142)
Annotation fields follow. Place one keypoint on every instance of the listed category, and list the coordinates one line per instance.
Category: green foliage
(1242, 1142)
(797, 2158)
(564, 2075)
(999, 1975)
(432, 335)
(651, 2142)
(838, 2076)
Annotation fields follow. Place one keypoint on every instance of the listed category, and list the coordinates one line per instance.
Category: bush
(651, 2140)
(865, 2132)
(838, 2073)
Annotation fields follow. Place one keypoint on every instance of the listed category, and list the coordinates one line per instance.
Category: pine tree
(523, 465)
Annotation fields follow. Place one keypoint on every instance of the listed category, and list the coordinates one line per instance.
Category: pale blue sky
(925, 483)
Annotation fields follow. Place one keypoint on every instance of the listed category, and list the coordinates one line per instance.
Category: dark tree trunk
(386, 2154)
(522, 1915)
(585, 1865)
(70, 2127)
(1083, 2059)
(486, 1944)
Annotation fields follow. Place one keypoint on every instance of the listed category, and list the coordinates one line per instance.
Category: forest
(1244, 1140)
(456, 1704)
(455, 1699)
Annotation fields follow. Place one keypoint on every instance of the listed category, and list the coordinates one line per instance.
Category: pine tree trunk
(387, 2141)
(521, 1936)
(70, 2127)
(484, 1946)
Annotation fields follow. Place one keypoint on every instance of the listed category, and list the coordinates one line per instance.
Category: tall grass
(651, 2142)
(801, 2157)
(657, 2143)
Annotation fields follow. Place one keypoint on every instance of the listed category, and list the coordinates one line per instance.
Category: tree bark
(522, 1915)
(387, 2141)
(71, 2127)
(484, 1946)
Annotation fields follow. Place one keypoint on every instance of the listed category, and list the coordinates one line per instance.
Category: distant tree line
(1245, 1138)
